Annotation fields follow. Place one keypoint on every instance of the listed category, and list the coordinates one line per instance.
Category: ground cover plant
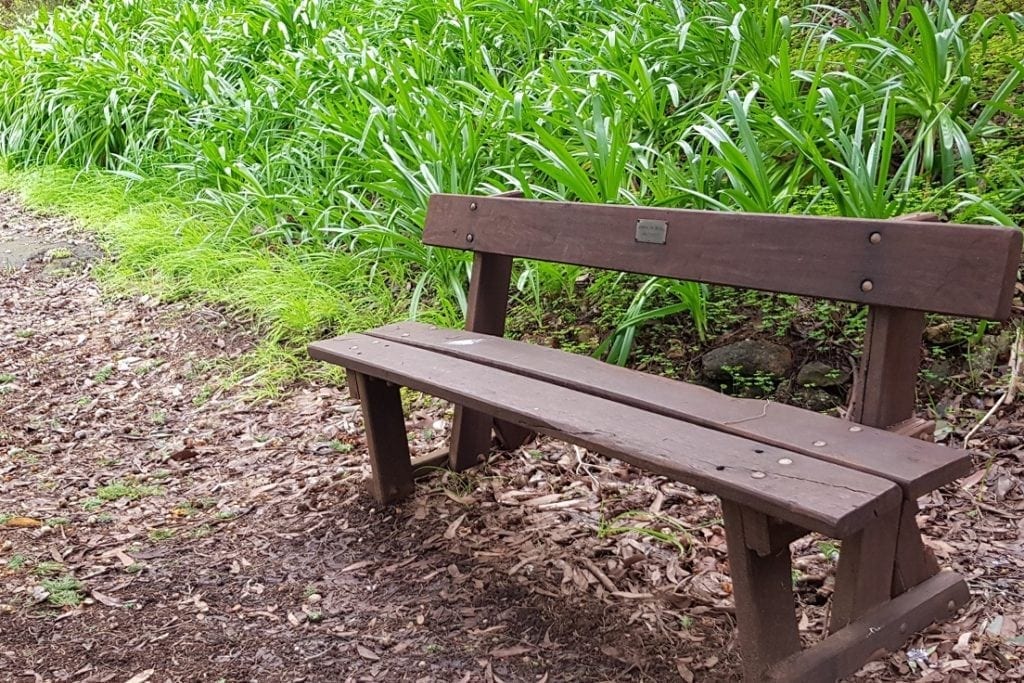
(319, 129)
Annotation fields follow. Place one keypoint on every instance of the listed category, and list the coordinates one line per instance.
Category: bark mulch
(159, 523)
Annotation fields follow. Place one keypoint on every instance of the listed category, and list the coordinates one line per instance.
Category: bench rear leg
(915, 562)
(471, 438)
(763, 592)
(386, 438)
(864, 575)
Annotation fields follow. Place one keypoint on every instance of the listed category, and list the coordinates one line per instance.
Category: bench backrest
(942, 268)
(900, 268)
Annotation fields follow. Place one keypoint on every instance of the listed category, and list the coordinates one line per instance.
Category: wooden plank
(762, 593)
(886, 627)
(764, 534)
(864, 575)
(915, 428)
(944, 268)
(884, 392)
(920, 468)
(487, 309)
(808, 492)
(915, 561)
(386, 439)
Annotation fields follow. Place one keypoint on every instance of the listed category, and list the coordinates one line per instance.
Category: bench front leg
(386, 438)
(762, 583)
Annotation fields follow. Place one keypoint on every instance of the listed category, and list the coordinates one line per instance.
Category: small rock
(818, 374)
(748, 357)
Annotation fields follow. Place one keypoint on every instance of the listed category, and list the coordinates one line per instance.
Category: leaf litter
(240, 544)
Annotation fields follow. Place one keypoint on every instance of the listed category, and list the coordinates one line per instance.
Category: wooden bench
(780, 472)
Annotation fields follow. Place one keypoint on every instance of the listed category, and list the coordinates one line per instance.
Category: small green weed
(16, 561)
(64, 591)
(48, 568)
(103, 374)
(161, 534)
(830, 549)
(120, 489)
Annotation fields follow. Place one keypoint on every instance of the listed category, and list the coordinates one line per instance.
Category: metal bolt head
(856, 428)
(758, 475)
(875, 238)
(469, 237)
(819, 444)
(903, 628)
(951, 606)
(472, 207)
(867, 286)
(785, 461)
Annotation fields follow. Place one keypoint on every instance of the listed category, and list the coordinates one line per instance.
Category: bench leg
(763, 592)
(471, 438)
(915, 562)
(864, 575)
(386, 438)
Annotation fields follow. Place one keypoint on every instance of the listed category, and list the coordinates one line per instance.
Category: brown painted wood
(915, 562)
(956, 269)
(919, 468)
(915, 428)
(886, 627)
(764, 534)
(428, 463)
(864, 575)
(386, 439)
(884, 392)
(487, 309)
(805, 491)
(763, 594)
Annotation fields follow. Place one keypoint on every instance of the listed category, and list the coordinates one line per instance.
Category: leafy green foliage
(313, 132)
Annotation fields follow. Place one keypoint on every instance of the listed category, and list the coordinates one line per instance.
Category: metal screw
(867, 286)
(405, 334)
(353, 347)
(469, 237)
(903, 628)
(819, 444)
(785, 461)
(758, 475)
(951, 606)
(856, 428)
(472, 207)
(875, 238)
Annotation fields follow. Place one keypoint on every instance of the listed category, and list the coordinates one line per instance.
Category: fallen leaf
(24, 522)
(367, 653)
(513, 651)
(141, 677)
(106, 599)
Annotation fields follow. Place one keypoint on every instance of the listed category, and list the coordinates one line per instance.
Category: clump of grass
(118, 490)
(48, 568)
(63, 591)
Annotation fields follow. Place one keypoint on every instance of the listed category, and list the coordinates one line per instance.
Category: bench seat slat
(917, 466)
(811, 493)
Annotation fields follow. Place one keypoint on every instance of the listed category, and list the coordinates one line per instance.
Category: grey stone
(818, 374)
(749, 358)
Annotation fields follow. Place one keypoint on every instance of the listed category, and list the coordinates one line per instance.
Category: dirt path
(209, 537)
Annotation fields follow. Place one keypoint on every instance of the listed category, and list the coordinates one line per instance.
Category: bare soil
(216, 536)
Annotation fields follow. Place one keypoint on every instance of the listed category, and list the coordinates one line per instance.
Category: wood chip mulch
(209, 535)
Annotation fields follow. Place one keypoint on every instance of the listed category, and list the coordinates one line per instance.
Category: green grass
(118, 490)
(275, 158)
(64, 591)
